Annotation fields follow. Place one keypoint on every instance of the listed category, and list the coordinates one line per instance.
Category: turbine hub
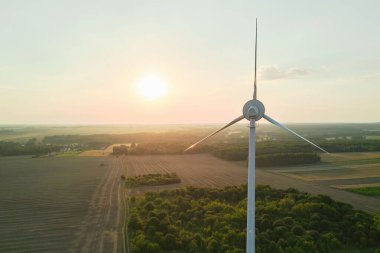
(253, 109)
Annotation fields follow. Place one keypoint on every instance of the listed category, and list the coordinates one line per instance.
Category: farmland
(335, 174)
(369, 191)
(66, 204)
(199, 170)
(102, 152)
(203, 170)
(73, 203)
(340, 169)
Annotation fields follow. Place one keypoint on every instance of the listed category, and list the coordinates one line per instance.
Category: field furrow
(47, 204)
(194, 170)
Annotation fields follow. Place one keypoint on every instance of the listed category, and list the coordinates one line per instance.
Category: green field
(373, 137)
(68, 154)
(368, 191)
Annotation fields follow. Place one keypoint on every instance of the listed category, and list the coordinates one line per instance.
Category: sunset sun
(152, 87)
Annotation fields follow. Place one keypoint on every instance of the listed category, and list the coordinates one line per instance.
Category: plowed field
(207, 171)
(194, 170)
(68, 204)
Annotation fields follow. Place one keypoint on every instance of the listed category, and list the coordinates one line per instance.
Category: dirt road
(101, 227)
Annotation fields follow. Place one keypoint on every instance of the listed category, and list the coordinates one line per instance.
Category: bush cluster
(153, 179)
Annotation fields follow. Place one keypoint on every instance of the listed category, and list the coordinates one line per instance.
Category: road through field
(101, 227)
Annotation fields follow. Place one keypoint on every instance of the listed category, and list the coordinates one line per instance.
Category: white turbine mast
(253, 111)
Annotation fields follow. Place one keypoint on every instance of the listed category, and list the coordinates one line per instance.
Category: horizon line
(170, 124)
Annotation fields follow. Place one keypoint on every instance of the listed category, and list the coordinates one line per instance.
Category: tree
(169, 242)
(376, 219)
(134, 222)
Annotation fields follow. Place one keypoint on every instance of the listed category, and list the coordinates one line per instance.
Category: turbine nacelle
(253, 110)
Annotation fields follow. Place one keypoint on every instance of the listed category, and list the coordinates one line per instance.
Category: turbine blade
(291, 131)
(217, 131)
(254, 83)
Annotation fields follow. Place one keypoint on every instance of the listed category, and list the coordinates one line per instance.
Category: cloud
(272, 72)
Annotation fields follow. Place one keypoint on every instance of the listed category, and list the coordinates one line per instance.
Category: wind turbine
(253, 111)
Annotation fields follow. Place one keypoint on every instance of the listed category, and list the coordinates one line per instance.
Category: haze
(78, 62)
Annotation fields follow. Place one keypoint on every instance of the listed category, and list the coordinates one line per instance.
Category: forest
(29, 148)
(209, 220)
(270, 159)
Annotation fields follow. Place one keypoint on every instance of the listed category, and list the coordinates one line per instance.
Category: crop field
(369, 191)
(338, 176)
(371, 137)
(356, 186)
(337, 172)
(199, 170)
(204, 170)
(340, 169)
(104, 152)
(60, 204)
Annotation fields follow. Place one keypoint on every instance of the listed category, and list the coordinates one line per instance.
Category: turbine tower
(253, 111)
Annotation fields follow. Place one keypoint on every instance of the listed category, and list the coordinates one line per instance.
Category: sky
(80, 62)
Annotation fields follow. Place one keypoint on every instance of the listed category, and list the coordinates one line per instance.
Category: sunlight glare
(152, 87)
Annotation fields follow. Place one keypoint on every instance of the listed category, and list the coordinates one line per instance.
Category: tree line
(30, 148)
(177, 142)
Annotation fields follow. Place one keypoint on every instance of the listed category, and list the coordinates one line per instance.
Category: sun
(152, 87)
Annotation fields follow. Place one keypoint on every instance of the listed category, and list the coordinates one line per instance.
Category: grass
(349, 157)
(68, 154)
(366, 161)
(372, 137)
(368, 191)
